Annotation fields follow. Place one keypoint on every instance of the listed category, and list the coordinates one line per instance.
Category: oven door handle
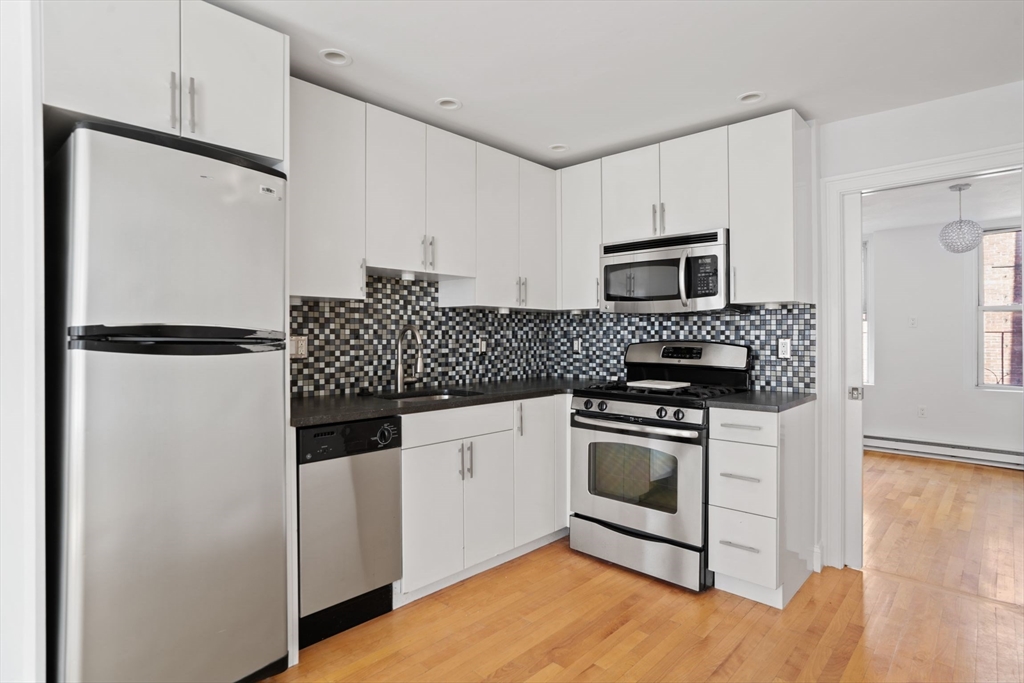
(639, 429)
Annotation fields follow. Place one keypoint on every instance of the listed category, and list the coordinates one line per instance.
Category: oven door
(645, 478)
(644, 282)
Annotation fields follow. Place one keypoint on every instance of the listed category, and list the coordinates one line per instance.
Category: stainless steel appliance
(638, 480)
(166, 370)
(672, 274)
(350, 524)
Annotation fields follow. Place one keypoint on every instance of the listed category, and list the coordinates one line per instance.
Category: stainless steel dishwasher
(350, 524)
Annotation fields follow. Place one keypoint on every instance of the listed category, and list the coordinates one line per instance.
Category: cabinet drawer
(745, 426)
(743, 546)
(743, 477)
(435, 426)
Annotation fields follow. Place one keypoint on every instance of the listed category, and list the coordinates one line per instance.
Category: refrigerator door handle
(159, 331)
(148, 347)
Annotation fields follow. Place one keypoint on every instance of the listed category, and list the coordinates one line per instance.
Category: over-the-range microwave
(670, 274)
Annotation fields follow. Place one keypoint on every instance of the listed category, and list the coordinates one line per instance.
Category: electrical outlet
(785, 348)
(577, 346)
(481, 345)
(912, 321)
(922, 412)
(298, 346)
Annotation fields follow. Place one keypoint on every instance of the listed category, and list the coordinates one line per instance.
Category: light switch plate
(298, 346)
(785, 348)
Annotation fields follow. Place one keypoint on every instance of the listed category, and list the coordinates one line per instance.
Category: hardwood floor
(557, 615)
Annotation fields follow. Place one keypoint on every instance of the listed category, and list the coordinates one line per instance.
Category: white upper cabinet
(451, 203)
(497, 229)
(630, 184)
(233, 75)
(395, 191)
(695, 182)
(769, 209)
(538, 237)
(114, 60)
(581, 236)
(326, 193)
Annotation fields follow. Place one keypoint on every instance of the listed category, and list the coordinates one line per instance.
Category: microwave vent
(661, 243)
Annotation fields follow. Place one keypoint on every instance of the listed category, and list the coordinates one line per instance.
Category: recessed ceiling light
(752, 97)
(335, 57)
(559, 147)
(449, 103)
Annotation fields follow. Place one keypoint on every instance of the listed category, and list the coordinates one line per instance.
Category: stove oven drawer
(743, 477)
(743, 546)
(745, 426)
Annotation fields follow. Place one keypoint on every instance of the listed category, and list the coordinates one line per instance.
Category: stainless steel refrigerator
(166, 262)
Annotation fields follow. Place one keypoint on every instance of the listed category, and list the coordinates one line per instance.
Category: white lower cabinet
(743, 545)
(488, 497)
(535, 462)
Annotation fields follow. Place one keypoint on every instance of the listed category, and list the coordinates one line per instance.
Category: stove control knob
(588, 404)
(678, 415)
(662, 413)
(602, 406)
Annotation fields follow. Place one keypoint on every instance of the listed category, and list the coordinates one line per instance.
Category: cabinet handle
(423, 244)
(174, 99)
(433, 253)
(520, 419)
(597, 298)
(192, 104)
(733, 425)
(362, 270)
(519, 291)
(470, 470)
(732, 284)
(663, 218)
(526, 292)
(740, 546)
(729, 475)
(654, 218)
(462, 461)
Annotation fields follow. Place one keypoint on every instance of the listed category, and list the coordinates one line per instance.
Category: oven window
(635, 475)
(642, 281)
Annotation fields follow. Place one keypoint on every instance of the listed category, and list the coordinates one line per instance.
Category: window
(999, 310)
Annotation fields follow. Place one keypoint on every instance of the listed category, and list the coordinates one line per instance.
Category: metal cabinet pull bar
(526, 292)
(597, 299)
(470, 470)
(462, 460)
(362, 281)
(174, 99)
(654, 218)
(519, 291)
(192, 104)
(520, 419)
(423, 246)
(740, 546)
(433, 253)
(729, 475)
(663, 218)
(733, 425)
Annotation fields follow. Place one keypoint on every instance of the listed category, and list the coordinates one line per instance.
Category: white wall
(932, 365)
(22, 578)
(980, 120)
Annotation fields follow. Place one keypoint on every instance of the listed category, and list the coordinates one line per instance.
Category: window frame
(868, 308)
(981, 309)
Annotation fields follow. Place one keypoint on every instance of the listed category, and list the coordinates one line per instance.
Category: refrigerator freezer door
(174, 516)
(158, 235)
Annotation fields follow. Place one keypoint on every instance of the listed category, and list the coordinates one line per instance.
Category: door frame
(839, 443)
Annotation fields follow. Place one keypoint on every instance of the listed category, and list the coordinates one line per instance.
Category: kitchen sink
(429, 395)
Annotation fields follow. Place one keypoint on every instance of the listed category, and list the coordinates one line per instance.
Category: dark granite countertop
(762, 401)
(308, 411)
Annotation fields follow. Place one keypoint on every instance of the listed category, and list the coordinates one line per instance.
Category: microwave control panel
(704, 276)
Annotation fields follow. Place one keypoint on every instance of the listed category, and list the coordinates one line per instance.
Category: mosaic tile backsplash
(352, 344)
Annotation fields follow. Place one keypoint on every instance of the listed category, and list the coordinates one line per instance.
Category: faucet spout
(401, 380)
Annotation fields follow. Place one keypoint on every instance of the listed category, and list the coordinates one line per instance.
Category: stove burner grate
(692, 391)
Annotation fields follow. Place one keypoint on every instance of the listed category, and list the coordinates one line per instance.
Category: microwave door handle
(686, 278)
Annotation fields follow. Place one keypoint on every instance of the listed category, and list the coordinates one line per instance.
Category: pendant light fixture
(960, 236)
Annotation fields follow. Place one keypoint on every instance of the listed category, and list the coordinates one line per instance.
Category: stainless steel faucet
(402, 380)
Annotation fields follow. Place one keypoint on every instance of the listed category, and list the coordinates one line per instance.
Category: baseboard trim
(401, 599)
(816, 558)
(952, 452)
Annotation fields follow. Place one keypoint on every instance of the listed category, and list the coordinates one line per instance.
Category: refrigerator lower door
(160, 235)
(174, 542)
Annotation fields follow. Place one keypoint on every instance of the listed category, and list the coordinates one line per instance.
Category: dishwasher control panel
(325, 442)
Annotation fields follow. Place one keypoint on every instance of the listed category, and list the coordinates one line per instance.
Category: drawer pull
(739, 546)
(733, 425)
(730, 475)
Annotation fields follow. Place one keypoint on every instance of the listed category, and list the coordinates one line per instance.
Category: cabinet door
(497, 228)
(535, 467)
(326, 193)
(630, 195)
(396, 157)
(695, 182)
(115, 60)
(538, 236)
(239, 69)
(451, 203)
(489, 516)
(761, 209)
(432, 513)
(581, 235)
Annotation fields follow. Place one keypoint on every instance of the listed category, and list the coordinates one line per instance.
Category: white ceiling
(603, 77)
(993, 202)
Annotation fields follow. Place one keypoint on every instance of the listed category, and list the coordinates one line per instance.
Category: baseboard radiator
(945, 451)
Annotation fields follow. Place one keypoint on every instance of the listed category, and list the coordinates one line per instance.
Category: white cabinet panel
(497, 228)
(420, 429)
(581, 235)
(746, 426)
(114, 60)
(743, 545)
(535, 462)
(432, 514)
(538, 236)
(395, 190)
(326, 193)
(239, 69)
(743, 477)
(451, 203)
(489, 516)
(695, 182)
(630, 194)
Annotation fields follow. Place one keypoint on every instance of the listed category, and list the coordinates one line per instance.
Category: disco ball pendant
(960, 236)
